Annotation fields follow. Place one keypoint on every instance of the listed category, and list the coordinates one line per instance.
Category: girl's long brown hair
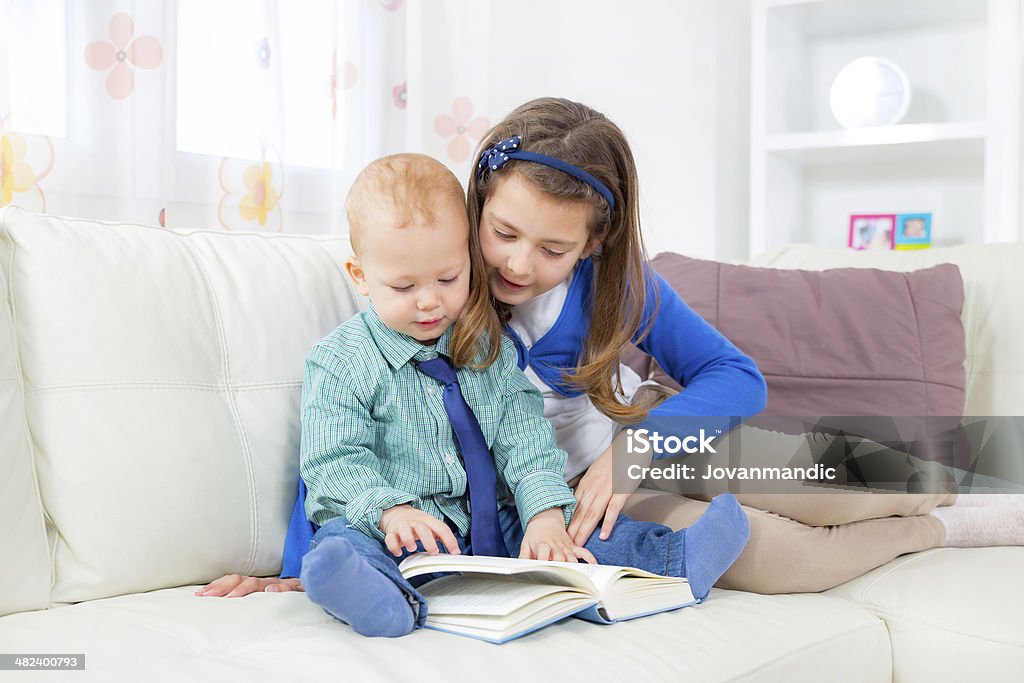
(586, 139)
(478, 329)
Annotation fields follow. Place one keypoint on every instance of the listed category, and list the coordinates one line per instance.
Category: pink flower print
(390, 5)
(349, 76)
(463, 126)
(399, 93)
(144, 52)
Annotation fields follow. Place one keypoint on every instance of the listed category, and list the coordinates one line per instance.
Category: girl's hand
(595, 502)
(236, 586)
(546, 539)
(403, 525)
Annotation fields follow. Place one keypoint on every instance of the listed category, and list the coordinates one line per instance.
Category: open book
(497, 599)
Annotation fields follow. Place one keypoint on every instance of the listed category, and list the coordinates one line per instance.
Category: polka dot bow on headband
(495, 157)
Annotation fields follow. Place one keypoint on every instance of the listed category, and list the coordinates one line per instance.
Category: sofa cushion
(993, 317)
(272, 637)
(26, 564)
(954, 614)
(839, 342)
(162, 372)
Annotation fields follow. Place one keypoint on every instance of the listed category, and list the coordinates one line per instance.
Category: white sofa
(149, 386)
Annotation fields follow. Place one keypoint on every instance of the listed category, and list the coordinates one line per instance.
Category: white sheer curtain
(235, 114)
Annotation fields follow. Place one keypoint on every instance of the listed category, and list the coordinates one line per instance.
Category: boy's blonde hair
(404, 188)
(397, 190)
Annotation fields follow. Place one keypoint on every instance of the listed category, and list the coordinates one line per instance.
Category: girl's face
(530, 240)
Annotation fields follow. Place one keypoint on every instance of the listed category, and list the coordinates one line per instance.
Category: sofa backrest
(993, 315)
(153, 379)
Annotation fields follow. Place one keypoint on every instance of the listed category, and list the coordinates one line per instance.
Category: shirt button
(450, 459)
(430, 391)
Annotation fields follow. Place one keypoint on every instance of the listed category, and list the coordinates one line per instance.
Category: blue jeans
(645, 545)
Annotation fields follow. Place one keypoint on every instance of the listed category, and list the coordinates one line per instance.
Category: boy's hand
(547, 539)
(236, 586)
(403, 525)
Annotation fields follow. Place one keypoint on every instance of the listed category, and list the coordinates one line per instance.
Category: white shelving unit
(956, 154)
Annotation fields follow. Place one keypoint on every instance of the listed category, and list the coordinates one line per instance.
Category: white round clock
(870, 91)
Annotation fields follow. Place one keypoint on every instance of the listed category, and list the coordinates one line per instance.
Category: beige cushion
(284, 637)
(162, 372)
(954, 614)
(993, 316)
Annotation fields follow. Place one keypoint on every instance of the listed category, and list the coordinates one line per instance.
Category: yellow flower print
(15, 174)
(19, 158)
(261, 197)
(252, 191)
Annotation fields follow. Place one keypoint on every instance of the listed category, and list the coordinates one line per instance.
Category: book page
(486, 596)
(414, 564)
(561, 573)
(595, 578)
(601, 575)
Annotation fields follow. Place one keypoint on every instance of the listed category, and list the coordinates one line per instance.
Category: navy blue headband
(495, 157)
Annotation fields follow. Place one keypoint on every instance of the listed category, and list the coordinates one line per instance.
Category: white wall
(671, 74)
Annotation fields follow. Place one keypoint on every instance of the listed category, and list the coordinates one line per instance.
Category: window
(249, 73)
(37, 52)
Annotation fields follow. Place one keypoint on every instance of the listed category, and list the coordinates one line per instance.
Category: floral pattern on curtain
(230, 114)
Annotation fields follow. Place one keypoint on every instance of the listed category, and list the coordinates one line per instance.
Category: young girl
(553, 205)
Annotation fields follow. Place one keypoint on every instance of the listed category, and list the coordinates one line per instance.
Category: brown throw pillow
(842, 342)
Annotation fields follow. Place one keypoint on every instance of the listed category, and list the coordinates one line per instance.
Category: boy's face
(416, 276)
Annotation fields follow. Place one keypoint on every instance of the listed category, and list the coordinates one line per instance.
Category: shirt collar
(397, 348)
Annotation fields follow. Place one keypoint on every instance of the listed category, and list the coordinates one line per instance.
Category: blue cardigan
(721, 382)
(719, 379)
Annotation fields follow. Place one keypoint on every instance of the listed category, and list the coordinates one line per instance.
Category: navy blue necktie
(485, 533)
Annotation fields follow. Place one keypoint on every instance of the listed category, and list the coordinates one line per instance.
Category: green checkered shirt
(375, 433)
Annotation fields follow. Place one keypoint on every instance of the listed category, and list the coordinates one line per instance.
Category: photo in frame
(872, 231)
(913, 231)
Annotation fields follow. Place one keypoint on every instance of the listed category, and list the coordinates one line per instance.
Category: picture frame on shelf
(913, 231)
(872, 231)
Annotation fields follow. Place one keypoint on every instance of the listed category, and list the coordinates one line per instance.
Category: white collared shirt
(581, 429)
